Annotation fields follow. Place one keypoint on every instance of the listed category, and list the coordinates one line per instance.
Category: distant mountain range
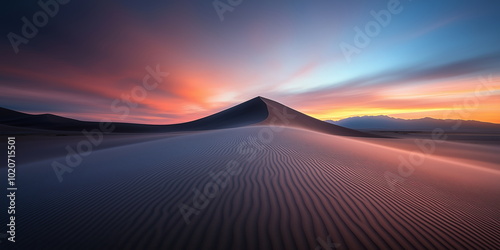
(386, 123)
(258, 111)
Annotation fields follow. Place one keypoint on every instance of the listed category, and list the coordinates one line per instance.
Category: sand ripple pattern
(291, 192)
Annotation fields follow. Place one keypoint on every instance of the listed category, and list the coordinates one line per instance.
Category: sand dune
(257, 111)
(259, 175)
(281, 115)
(295, 191)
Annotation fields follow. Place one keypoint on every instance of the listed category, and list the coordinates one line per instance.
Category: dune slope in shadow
(257, 111)
(247, 113)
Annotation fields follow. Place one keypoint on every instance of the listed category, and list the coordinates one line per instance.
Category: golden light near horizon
(465, 99)
(352, 112)
(204, 124)
(488, 112)
(292, 59)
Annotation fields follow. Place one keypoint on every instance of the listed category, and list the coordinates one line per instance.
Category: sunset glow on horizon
(444, 66)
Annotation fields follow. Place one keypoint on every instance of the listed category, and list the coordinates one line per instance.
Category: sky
(163, 62)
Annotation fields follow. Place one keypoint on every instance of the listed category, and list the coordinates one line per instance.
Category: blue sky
(427, 59)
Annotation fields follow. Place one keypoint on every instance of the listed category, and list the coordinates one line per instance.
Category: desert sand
(257, 176)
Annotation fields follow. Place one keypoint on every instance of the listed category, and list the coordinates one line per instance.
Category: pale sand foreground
(290, 189)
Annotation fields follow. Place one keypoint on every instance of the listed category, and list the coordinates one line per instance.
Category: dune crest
(257, 111)
(280, 114)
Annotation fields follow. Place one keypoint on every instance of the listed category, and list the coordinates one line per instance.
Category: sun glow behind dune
(288, 53)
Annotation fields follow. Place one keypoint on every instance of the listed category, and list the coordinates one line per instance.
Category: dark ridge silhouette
(8, 115)
(244, 114)
(386, 123)
(257, 111)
